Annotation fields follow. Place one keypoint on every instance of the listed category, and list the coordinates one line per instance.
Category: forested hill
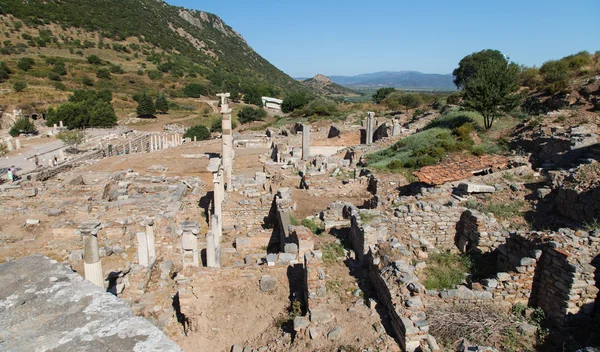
(185, 42)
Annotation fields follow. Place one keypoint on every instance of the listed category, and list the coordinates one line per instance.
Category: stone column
(91, 254)
(54, 128)
(60, 124)
(195, 141)
(370, 131)
(305, 142)
(188, 230)
(143, 257)
(218, 200)
(9, 145)
(130, 147)
(17, 144)
(173, 140)
(61, 154)
(165, 143)
(150, 237)
(227, 151)
(211, 251)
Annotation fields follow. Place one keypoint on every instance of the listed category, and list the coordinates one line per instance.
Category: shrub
(478, 150)
(4, 72)
(59, 86)
(321, 107)
(315, 227)
(253, 97)
(116, 69)
(19, 86)
(3, 149)
(464, 131)
(25, 63)
(199, 131)
(53, 76)
(22, 125)
(87, 81)
(250, 114)
(533, 106)
(154, 74)
(94, 60)
(332, 251)
(60, 68)
(454, 98)
(103, 73)
(162, 104)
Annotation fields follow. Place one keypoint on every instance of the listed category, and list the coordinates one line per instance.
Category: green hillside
(146, 38)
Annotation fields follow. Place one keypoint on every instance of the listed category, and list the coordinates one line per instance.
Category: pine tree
(146, 106)
(162, 104)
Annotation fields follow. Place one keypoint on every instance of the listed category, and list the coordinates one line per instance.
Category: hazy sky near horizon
(335, 37)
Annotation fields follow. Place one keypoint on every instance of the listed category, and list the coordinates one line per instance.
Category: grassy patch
(294, 221)
(499, 210)
(332, 251)
(367, 217)
(445, 270)
(316, 227)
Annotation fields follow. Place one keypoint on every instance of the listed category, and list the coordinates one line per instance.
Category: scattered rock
(527, 329)
(468, 187)
(268, 283)
(77, 181)
(335, 333)
(32, 221)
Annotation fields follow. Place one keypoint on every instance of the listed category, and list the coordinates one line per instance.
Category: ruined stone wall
(567, 289)
(579, 206)
(477, 231)
(254, 211)
(431, 221)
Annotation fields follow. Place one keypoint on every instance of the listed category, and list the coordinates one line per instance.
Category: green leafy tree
(195, 90)
(470, 65)
(406, 100)
(85, 108)
(492, 91)
(254, 97)
(19, 86)
(25, 63)
(72, 138)
(199, 131)
(381, 94)
(249, 114)
(146, 106)
(22, 125)
(162, 104)
(4, 72)
(294, 101)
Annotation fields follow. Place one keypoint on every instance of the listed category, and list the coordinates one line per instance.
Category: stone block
(268, 283)
(300, 323)
(321, 316)
(335, 333)
(468, 187)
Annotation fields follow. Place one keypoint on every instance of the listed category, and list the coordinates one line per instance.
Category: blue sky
(333, 37)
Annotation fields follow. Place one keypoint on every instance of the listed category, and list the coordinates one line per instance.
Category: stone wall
(579, 206)
(477, 231)
(254, 209)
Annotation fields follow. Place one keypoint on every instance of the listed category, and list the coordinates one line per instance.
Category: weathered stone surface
(268, 283)
(320, 316)
(335, 333)
(291, 248)
(32, 221)
(300, 323)
(527, 329)
(468, 187)
(36, 291)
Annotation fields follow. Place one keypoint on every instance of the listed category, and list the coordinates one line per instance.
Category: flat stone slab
(45, 306)
(468, 187)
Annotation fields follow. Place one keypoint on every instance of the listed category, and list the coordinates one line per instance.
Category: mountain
(149, 35)
(400, 79)
(324, 85)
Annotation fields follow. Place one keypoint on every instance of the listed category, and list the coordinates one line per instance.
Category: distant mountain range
(399, 79)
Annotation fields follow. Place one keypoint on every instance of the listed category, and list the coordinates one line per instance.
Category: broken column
(211, 250)
(146, 245)
(9, 145)
(305, 142)
(189, 230)
(227, 152)
(91, 254)
(60, 124)
(370, 125)
(17, 144)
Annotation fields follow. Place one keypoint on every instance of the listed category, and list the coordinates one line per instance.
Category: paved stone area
(44, 306)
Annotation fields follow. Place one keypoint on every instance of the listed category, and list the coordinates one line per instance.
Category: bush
(4, 72)
(253, 97)
(249, 114)
(199, 131)
(87, 81)
(162, 104)
(19, 86)
(25, 63)
(94, 60)
(154, 74)
(533, 106)
(321, 107)
(22, 125)
(60, 68)
(103, 73)
(59, 86)
(116, 69)
(454, 98)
